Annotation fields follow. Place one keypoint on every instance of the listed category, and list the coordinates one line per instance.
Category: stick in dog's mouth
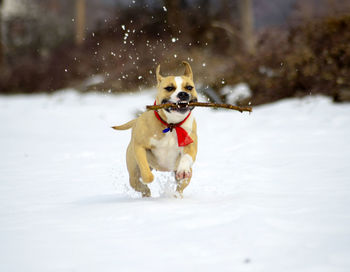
(191, 104)
(180, 106)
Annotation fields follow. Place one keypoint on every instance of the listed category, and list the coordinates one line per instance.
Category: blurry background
(274, 48)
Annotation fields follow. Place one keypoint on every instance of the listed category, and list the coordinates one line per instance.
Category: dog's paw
(146, 193)
(184, 174)
(147, 178)
(178, 195)
(184, 169)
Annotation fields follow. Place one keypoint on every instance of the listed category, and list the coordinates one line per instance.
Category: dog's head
(179, 90)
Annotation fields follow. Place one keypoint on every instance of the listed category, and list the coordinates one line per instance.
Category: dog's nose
(183, 96)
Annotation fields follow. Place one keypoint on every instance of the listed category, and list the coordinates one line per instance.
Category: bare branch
(200, 104)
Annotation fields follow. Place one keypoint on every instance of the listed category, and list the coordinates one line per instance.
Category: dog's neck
(172, 117)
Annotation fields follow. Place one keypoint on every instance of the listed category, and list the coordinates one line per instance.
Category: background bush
(310, 57)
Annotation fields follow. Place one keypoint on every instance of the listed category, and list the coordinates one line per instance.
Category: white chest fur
(166, 150)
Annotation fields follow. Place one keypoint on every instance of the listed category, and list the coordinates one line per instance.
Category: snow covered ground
(270, 191)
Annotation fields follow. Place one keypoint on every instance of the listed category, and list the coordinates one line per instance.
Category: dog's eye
(169, 88)
(188, 87)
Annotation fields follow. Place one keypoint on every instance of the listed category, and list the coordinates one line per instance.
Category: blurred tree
(247, 25)
(80, 17)
(175, 15)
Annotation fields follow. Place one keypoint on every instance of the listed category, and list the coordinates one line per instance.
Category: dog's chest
(166, 151)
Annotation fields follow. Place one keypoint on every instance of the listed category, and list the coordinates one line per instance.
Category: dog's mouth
(181, 106)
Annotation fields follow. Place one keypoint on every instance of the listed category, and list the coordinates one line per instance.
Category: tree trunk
(80, 17)
(174, 16)
(247, 25)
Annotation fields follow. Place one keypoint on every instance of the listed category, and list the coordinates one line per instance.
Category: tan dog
(165, 140)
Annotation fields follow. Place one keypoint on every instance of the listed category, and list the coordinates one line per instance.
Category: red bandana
(183, 138)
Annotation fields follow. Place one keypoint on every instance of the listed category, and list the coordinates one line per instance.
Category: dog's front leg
(183, 172)
(141, 158)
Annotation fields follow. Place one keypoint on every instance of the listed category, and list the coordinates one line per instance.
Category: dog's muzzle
(183, 96)
(181, 106)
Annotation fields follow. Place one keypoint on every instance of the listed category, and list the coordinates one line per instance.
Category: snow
(234, 94)
(95, 79)
(270, 190)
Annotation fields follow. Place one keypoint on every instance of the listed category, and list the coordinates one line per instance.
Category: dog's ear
(188, 70)
(159, 77)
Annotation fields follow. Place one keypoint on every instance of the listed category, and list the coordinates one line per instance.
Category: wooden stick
(201, 104)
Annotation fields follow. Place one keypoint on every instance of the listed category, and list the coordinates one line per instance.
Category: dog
(164, 140)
